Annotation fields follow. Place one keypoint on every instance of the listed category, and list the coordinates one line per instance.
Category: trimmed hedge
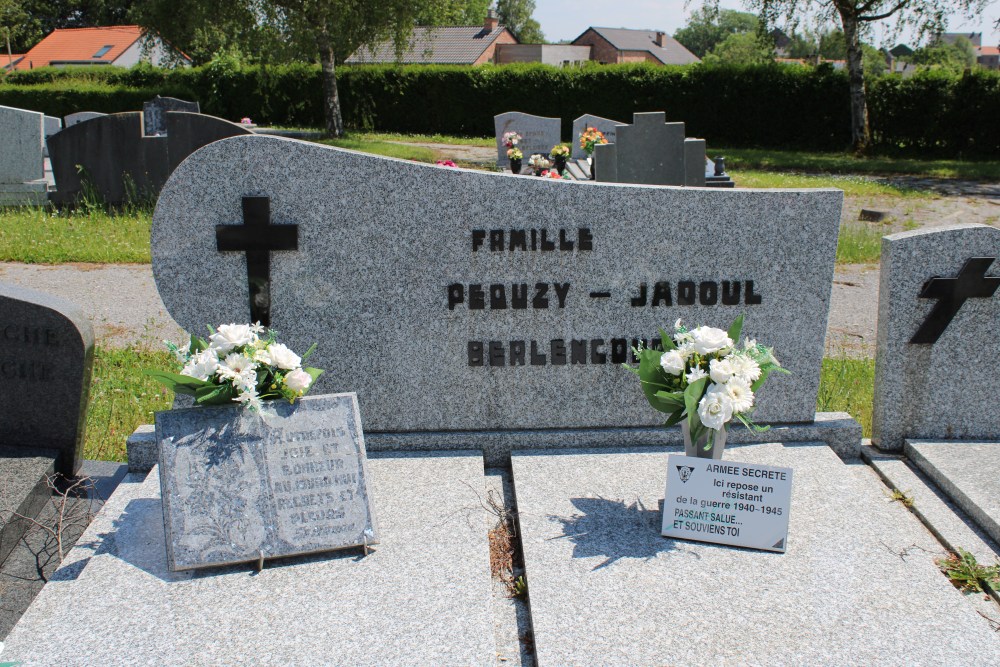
(766, 106)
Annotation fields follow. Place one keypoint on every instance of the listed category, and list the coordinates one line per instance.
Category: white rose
(236, 365)
(298, 380)
(721, 370)
(740, 394)
(280, 356)
(708, 339)
(715, 408)
(228, 336)
(672, 362)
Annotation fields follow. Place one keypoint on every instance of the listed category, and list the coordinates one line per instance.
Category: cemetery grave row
(472, 341)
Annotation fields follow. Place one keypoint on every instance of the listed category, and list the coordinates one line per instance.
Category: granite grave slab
(81, 116)
(120, 162)
(938, 311)
(969, 472)
(23, 491)
(421, 597)
(154, 114)
(495, 325)
(22, 144)
(237, 487)
(857, 585)
(607, 126)
(45, 363)
(538, 134)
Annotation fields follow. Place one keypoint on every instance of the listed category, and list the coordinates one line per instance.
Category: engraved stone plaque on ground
(238, 486)
(46, 351)
(938, 312)
(607, 126)
(538, 134)
(476, 320)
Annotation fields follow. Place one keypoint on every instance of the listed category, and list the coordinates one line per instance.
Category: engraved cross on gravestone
(257, 237)
(970, 283)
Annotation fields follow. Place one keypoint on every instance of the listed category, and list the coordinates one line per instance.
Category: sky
(567, 19)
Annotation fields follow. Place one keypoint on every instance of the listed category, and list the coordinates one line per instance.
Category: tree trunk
(331, 98)
(860, 136)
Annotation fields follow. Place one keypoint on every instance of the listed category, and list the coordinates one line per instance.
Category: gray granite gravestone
(238, 486)
(121, 163)
(477, 320)
(655, 152)
(607, 126)
(22, 144)
(938, 315)
(45, 363)
(154, 121)
(81, 116)
(538, 134)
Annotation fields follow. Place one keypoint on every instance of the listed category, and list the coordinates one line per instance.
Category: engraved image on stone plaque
(238, 486)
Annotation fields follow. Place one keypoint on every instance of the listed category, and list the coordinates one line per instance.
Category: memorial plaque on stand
(238, 486)
(727, 502)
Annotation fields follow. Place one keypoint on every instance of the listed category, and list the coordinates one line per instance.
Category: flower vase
(590, 163)
(560, 163)
(698, 449)
(515, 166)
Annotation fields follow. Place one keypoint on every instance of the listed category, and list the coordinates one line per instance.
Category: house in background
(444, 45)
(622, 45)
(548, 54)
(988, 57)
(122, 46)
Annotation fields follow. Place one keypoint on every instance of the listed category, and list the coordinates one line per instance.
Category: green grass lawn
(740, 159)
(424, 138)
(122, 398)
(40, 236)
(379, 147)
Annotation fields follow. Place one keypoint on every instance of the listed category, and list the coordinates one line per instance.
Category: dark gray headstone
(81, 116)
(121, 163)
(604, 163)
(651, 151)
(538, 134)
(238, 486)
(434, 330)
(45, 364)
(154, 114)
(694, 162)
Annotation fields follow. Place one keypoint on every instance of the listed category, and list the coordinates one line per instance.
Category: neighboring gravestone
(52, 125)
(120, 163)
(22, 147)
(607, 126)
(476, 319)
(154, 121)
(81, 116)
(654, 152)
(938, 323)
(239, 486)
(538, 134)
(45, 363)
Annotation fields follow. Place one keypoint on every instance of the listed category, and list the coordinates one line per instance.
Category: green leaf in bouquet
(675, 418)
(197, 345)
(674, 398)
(215, 394)
(692, 395)
(735, 329)
(314, 373)
(651, 379)
(667, 341)
(312, 348)
(179, 384)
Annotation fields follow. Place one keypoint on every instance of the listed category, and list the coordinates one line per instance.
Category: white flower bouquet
(702, 375)
(238, 362)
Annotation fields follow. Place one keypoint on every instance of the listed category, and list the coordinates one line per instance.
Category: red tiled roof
(6, 60)
(445, 45)
(983, 51)
(81, 45)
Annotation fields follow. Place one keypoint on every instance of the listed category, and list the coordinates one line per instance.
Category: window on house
(103, 50)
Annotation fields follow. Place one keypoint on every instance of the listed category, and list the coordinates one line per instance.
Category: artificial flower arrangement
(559, 151)
(511, 139)
(446, 163)
(703, 375)
(246, 121)
(590, 138)
(238, 362)
(554, 173)
(539, 163)
(514, 153)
